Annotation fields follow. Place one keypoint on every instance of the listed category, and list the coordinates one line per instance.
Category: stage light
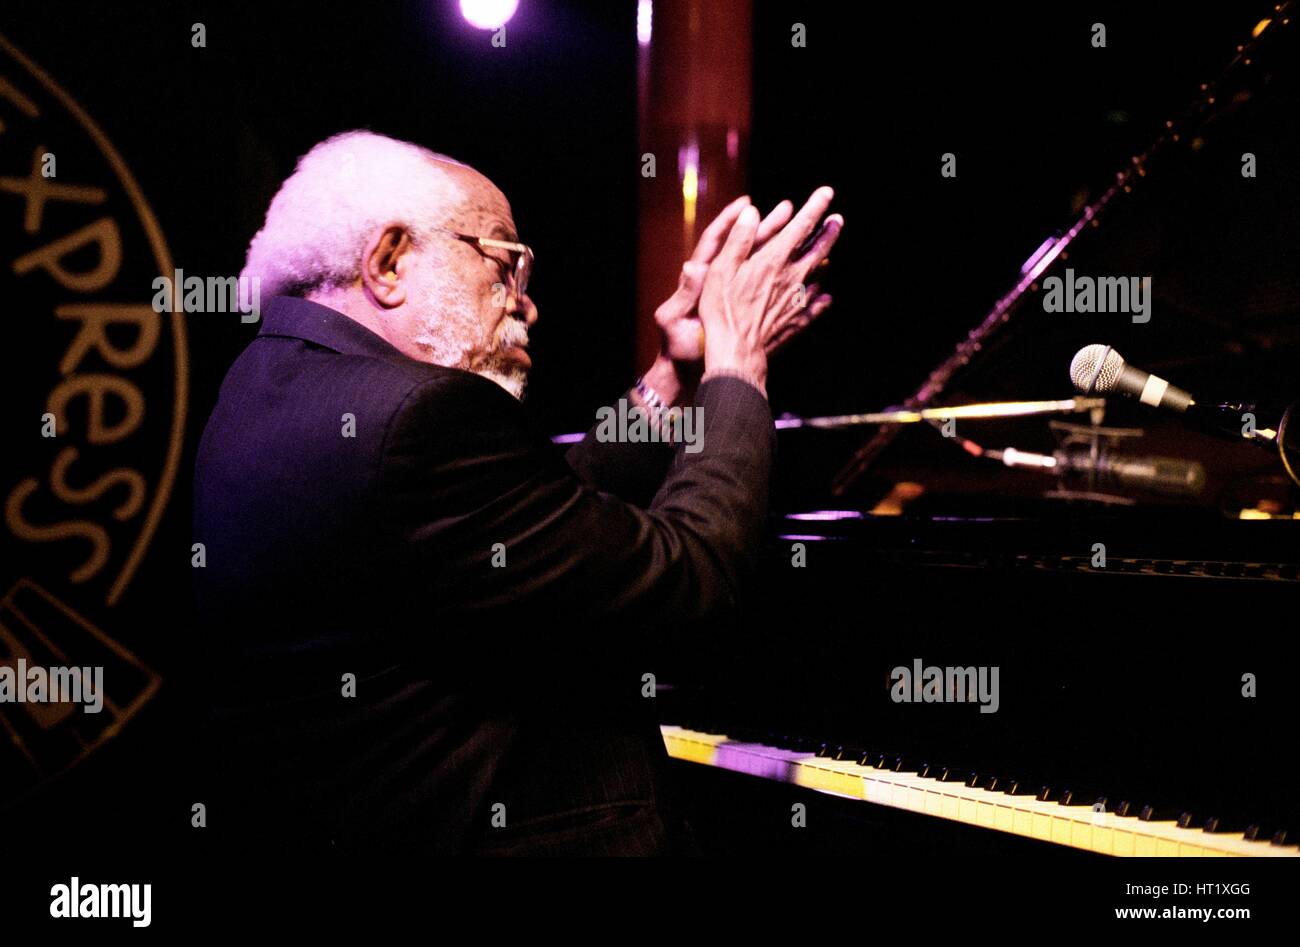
(488, 14)
(644, 21)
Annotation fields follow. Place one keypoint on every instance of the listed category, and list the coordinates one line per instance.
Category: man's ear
(384, 262)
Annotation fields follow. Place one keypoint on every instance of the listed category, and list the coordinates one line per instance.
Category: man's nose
(525, 307)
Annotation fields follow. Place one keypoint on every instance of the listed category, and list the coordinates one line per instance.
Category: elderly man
(427, 627)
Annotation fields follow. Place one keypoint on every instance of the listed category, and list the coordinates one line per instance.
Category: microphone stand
(1273, 429)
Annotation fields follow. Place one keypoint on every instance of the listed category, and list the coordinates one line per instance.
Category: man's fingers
(683, 301)
(739, 242)
(799, 229)
(693, 273)
(781, 339)
(773, 222)
(820, 305)
(821, 247)
(810, 293)
(711, 240)
(690, 286)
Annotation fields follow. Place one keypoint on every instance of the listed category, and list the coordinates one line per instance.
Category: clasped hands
(742, 294)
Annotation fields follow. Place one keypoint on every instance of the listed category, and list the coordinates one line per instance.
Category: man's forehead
(491, 212)
(485, 207)
(494, 222)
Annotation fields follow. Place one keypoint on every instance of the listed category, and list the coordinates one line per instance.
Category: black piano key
(1275, 828)
(827, 750)
(847, 751)
(955, 774)
(1158, 813)
(1126, 809)
(1187, 820)
(1021, 787)
(1224, 825)
(1047, 794)
(899, 763)
(929, 771)
(980, 781)
(1081, 797)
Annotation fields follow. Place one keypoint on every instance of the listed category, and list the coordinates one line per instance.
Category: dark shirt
(483, 692)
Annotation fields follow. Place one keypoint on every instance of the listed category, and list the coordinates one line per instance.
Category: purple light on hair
(488, 14)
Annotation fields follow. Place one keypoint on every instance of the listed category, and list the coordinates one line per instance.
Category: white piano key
(1074, 826)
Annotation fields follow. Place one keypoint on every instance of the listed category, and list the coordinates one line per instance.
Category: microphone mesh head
(1095, 369)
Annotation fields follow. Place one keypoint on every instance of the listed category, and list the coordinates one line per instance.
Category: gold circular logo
(94, 393)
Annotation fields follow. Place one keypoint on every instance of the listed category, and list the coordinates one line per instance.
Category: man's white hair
(341, 190)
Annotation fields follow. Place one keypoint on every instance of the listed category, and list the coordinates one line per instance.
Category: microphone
(1099, 369)
(1171, 476)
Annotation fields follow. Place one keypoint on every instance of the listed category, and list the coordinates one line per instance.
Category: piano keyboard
(1075, 826)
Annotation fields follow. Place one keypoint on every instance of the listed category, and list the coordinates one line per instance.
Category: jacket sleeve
(630, 471)
(488, 522)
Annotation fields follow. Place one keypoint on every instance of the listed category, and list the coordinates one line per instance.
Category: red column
(693, 100)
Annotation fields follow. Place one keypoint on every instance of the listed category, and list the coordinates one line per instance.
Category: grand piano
(1143, 707)
(1143, 630)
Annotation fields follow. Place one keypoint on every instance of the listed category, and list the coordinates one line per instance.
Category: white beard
(506, 373)
(451, 333)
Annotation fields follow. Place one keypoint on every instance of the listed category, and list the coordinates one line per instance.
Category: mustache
(512, 332)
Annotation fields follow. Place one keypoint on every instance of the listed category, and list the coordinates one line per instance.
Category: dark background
(1040, 122)
(1039, 119)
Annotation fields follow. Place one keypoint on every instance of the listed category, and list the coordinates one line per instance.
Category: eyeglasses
(522, 262)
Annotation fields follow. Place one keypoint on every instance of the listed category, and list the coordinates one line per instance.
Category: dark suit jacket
(350, 501)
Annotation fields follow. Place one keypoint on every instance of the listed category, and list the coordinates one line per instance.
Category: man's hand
(681, 360)
(754, 300)
(678, 316)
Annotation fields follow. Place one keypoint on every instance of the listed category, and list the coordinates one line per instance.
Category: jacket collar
(298, 318)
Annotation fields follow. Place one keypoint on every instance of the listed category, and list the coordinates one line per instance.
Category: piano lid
(1218, 246)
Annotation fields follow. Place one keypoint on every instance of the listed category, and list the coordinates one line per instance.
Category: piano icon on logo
(39, 739)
